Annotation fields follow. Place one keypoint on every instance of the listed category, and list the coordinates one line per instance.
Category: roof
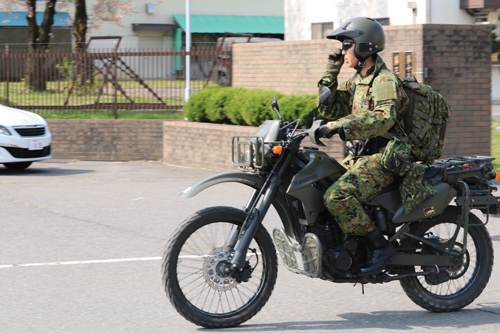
(18, 19)
(233, 23)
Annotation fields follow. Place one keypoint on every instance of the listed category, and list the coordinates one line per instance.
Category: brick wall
(204, 145)
(177, 142)
(107, 140)
(457, 55)
(460, 59)
(200, 145)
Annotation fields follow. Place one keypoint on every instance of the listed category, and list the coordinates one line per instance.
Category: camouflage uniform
(365, 107)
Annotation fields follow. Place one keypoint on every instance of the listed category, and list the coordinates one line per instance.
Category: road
(80, 248)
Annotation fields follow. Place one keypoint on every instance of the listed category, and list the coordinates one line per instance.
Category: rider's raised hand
(335, 62)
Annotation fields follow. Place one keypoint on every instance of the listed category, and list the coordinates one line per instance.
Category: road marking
(82, 262)
(102, 261)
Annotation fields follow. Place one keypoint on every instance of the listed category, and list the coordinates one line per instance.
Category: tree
(110, 11)
(39, 39)
(80, 24)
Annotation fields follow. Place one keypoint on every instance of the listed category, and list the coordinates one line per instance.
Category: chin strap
(359, 67)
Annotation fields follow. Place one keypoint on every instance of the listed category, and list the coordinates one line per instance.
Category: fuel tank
(303, 185)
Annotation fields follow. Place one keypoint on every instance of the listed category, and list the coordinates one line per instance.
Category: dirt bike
(220, 265)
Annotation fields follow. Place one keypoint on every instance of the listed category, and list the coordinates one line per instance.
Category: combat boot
(381, 252)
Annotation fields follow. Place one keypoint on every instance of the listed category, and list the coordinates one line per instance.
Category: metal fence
(141, 80)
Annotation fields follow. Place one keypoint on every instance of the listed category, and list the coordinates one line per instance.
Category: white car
(24, 138)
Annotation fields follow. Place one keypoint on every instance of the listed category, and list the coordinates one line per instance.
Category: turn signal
(278, 150)
(497, 175)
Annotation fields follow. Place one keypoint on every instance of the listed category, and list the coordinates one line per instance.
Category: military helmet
(366, 32)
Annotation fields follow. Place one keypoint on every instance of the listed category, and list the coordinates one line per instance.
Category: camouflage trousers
(365, 178)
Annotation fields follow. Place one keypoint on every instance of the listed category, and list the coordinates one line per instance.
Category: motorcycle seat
(432, 171)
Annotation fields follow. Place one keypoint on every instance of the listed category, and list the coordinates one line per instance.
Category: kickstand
(362, 288)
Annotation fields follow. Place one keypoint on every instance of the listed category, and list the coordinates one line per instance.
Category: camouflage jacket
(366, 107)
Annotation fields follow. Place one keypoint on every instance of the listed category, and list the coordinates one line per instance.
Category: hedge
(239, 106)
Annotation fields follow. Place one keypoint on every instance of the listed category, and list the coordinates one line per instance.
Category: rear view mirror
(325, 96)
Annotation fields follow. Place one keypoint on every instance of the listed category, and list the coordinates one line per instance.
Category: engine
(341, 254)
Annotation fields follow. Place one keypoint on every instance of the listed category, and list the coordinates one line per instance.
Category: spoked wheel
(195, 270)
(455, 286)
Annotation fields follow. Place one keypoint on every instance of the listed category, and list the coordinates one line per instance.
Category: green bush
(301, 107)
(256, 106)
(196, 107)
(216, 103)
(233, 106)
(250, 107)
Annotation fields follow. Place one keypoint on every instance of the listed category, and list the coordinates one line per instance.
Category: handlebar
(316, 124)
(302, 133)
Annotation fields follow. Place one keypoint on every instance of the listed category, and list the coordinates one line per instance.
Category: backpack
(423, 124)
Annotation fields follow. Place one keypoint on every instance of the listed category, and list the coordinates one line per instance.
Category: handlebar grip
(312, 133)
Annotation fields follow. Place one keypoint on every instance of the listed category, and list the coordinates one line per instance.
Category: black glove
(328, 130)
(335, 62)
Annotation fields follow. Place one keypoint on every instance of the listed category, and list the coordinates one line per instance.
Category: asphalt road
(80, 248)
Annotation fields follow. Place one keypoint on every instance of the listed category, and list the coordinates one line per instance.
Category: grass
(109, 114)
(495, 144)
(57, 93)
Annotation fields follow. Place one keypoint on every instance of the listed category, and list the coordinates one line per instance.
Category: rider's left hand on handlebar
(328, 130)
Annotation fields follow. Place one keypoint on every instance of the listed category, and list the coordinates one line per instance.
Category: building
(306, 20)
(162, 24)
(14, 32)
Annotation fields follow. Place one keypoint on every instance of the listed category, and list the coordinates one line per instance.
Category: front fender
(288, 219)
(225, 177)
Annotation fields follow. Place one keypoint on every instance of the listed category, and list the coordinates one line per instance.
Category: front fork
(257, 209)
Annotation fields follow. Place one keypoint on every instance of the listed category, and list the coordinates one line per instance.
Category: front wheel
(456, 286)
(16, 166)
(193, 270)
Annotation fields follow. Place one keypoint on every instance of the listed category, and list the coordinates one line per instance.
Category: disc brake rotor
(460, 267)
(214, 269)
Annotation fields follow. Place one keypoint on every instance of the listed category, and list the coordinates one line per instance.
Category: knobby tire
(467, 280)
(191, 255)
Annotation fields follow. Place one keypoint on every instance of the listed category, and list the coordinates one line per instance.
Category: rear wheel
(194, 274)
(456, 286)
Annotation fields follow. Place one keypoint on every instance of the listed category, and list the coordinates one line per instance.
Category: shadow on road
(51, 172)
(488, 313)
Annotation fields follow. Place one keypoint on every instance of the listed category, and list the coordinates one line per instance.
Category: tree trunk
(39, 39)
(83, 67)
(80, 24)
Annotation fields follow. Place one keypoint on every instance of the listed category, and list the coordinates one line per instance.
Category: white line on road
(102, 261)
(82, 262)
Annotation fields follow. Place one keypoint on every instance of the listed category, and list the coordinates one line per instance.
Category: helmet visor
(345, 32)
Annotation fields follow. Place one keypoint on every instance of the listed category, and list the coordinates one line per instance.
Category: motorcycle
(220, 265)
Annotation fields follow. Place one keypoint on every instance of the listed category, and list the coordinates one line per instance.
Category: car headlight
(4, 130)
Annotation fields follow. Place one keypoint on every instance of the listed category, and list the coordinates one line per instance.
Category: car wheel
(17, 165)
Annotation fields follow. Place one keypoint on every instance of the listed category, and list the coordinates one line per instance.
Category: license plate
(35, 144)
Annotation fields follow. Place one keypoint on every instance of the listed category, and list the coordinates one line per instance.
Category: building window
(320, 30)
(384, 21)
(480, 17)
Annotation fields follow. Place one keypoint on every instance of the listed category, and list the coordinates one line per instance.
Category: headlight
(245, 154)
(4, 130)
(248, 152)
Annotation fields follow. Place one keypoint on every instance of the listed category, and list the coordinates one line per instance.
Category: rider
(363, 109)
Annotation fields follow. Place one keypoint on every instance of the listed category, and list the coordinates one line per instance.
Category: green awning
(233, 23)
